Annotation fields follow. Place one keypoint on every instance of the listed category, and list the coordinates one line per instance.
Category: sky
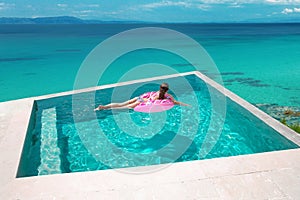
(157, 10)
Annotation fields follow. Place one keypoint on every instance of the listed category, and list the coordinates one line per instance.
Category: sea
(259, 62)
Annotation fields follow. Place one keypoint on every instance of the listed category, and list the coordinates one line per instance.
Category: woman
(132, 103)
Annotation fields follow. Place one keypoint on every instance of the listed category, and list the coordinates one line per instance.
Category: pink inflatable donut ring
(148, 95)
(151, 105)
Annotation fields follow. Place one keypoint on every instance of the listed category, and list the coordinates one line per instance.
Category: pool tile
(247, 186)
(276, 160)
(197, 189)
(288, 180)
(228, 166)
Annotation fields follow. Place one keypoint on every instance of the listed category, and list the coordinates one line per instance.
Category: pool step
(49, 151)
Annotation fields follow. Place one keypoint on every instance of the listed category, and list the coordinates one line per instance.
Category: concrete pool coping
(270, 175)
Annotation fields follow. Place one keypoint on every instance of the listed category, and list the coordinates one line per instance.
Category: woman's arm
(178, 102)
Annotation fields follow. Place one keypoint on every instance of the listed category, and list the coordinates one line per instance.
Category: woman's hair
(164, 87)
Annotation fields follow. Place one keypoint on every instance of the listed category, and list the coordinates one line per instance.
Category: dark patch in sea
(248, 81)
(229, 81)
(29, 74)
(232, 73)
(284, 88)
(68, 50)
(295, 100)
(18, 59)
(183, 64)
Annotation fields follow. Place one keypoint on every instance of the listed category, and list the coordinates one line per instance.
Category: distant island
(56, 20)
(75, 20)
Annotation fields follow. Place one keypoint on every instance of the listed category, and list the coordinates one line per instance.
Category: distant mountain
(56, 20)
(273, 20)
(75, 20)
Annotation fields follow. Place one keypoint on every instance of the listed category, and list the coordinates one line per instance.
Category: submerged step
(49, 151)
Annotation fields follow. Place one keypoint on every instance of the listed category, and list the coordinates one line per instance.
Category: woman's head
(164, 87)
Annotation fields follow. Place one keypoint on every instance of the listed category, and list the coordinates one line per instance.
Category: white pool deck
(271, 175)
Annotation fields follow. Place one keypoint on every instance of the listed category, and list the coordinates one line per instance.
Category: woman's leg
(129, 106)
(117, 105)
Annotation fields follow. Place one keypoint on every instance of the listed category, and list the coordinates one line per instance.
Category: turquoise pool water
(61, 139)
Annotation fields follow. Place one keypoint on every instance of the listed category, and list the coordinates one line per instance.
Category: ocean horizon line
(76, 20)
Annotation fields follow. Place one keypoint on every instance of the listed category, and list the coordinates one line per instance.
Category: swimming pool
(65, 135)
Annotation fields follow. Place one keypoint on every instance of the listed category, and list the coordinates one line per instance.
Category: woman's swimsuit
(149, 102)
(142, 98)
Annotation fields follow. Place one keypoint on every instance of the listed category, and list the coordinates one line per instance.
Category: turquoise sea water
(66, 139)
(259, 62)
